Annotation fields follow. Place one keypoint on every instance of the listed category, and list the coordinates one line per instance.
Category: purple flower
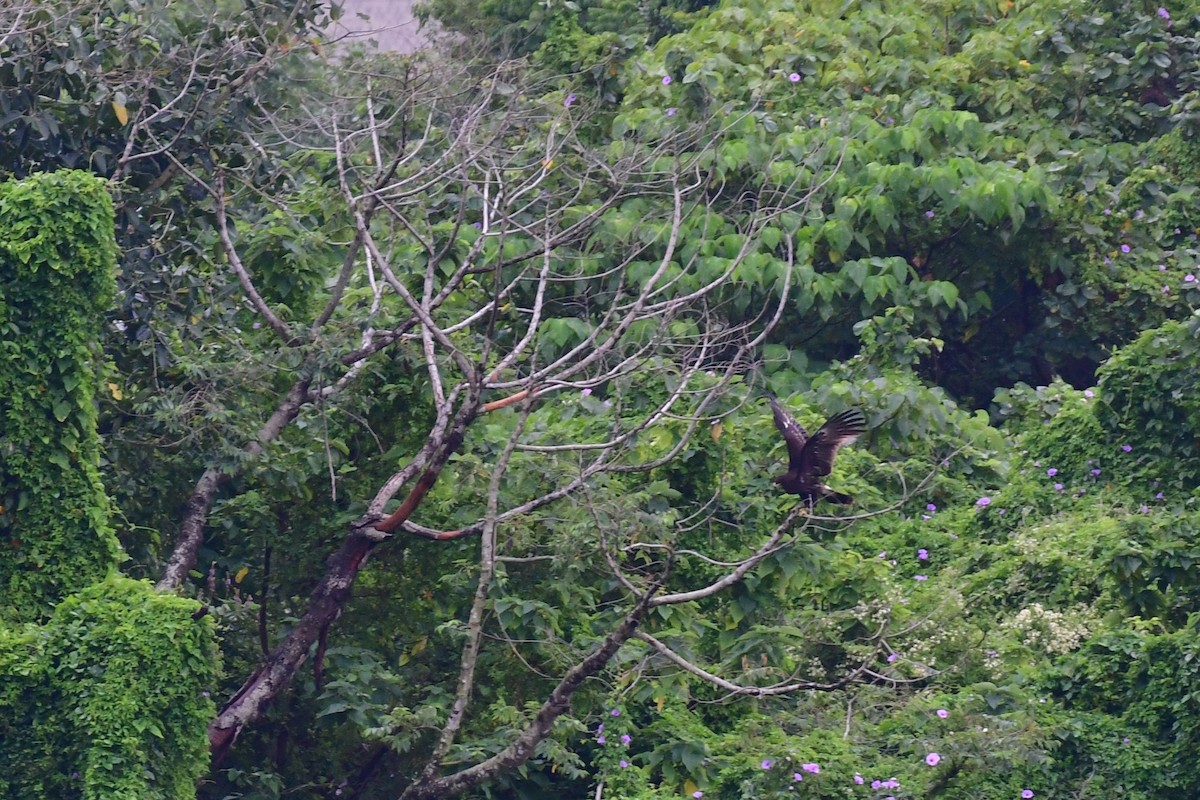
(586, 392)
(882, 555)
(1127, 448)
(892, 657)
(796, 776)
(616, 712)
(766, 763)
(600, 728)
(1088, 393)
(920, 577)
(929, 214)
(1162, 267)
(570, 99)
(1125, 740)
(943, 713)
(983, 501)
(1108, 212)
(626, 738)
(1162, 12)
(1139, 214)
(1189, 278)
(1144, 509)
(601, 739)
(931, 508)
(671, 111)
(1095, 472)
(923, 554)
(1052, 472)
(858, 779)
(932, 759)
(1125, 248)
(666, 80)
(794, 77)
(813, 768)
(697, 794)
(204, 693)
(875, 784)
(1158, 496)
(622, 763)
(1027, 793)
(1058, 487)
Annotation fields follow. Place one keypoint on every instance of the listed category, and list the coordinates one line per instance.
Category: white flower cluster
(933, 634)
(1027, 545)
(1053, 632)
(872, 614)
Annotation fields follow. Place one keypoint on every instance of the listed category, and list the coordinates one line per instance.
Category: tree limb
(539, 728)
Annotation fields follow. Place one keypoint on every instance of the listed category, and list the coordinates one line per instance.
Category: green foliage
(521, 27)
(975, 194)
(79, 72)
(56, 281)
(23, 675)
(1150, 402)
(112, 697)
(997, 173)
(104, 700)
(1129, 714)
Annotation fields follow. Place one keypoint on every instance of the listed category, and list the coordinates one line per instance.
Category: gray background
(391, 24)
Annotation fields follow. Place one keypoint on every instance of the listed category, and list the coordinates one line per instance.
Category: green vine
(57, 259)
(102, 679)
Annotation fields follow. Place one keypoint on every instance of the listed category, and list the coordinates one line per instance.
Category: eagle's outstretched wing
(816, 458)
(793, 433)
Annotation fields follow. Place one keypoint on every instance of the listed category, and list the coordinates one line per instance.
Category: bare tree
(478, 296)
(557, 269)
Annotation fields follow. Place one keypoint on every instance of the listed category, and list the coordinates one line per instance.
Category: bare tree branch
(487, 570)
(539, 728)
(752, 691)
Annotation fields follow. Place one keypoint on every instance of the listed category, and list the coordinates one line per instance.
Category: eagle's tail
(838, 497)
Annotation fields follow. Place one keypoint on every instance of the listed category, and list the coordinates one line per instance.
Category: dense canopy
(410, 442)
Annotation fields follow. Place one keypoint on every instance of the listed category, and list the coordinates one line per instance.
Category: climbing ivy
(57, 259)
(107, 699)
(102, 679)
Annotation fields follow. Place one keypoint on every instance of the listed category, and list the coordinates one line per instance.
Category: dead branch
(732, 688)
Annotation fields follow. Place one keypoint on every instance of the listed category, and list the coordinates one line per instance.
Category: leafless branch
(732, 688)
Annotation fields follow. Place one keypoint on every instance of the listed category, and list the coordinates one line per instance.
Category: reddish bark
(507, 401)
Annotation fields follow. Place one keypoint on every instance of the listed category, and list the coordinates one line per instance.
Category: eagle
(811, 458)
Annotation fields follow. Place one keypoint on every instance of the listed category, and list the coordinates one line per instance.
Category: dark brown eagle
(810, 459)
